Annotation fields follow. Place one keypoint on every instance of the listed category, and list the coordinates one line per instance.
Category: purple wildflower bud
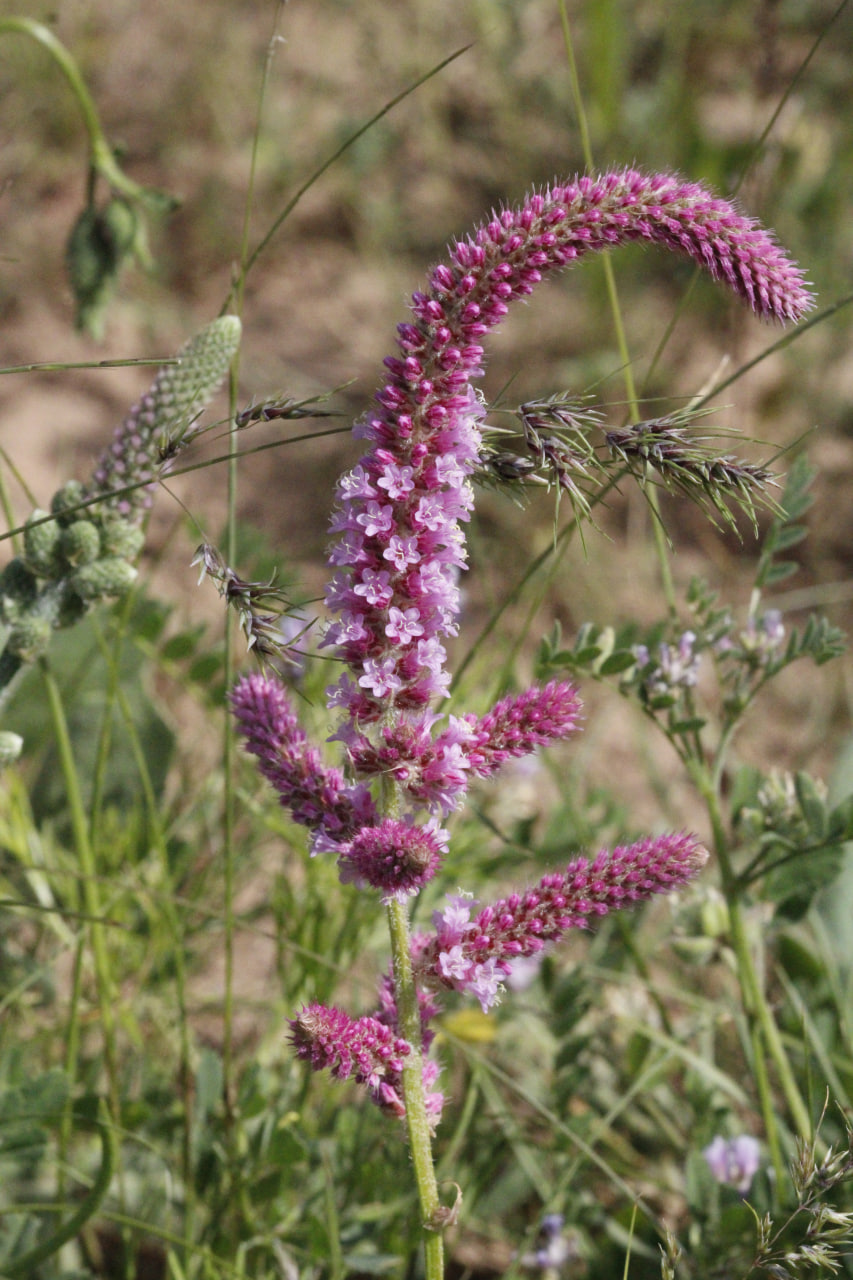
(365, 1049)
(475, 956)
(396, 857)
(734, 1161)
(764, 637)
(318, 796)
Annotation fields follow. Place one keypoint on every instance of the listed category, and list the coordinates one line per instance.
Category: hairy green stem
(755, 1004)
(420, 1141)
(414, 1099)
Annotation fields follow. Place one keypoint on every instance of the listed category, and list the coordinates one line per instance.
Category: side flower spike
(160, 423)
(476, 955)
(316, 795)
(365, 1049)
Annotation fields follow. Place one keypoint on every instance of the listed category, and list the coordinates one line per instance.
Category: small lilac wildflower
(734, 1161)
(398, 549)
(678, 665)
(763, 638)
(554, 1247)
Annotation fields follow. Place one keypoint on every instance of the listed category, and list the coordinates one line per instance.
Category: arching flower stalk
(398, 550)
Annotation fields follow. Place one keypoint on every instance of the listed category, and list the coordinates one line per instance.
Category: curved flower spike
(399, 544)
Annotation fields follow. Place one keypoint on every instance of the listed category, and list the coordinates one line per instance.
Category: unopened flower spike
(160, 424)
(84, 550)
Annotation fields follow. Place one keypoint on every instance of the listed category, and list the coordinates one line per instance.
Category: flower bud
(121, 538)
(69, 496)
(103, 579)
(11, 745)
(81, 543)
(30, 636)
(41, 545)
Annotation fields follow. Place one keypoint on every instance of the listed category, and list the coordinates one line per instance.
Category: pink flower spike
(519, 724)
(521, 924)
(368, 1050)
(318, 796)
(365, 1049)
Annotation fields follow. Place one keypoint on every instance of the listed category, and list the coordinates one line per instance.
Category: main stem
(409, 1024)
(420, 1142)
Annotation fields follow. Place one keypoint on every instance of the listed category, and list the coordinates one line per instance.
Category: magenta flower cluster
(396, 557)
(476, 955)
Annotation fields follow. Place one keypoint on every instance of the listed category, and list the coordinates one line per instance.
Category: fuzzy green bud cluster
(72, 559)
(84, 549)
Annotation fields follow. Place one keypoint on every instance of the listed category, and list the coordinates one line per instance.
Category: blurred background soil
(667, 85)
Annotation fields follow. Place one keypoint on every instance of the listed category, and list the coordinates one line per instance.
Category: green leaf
(617, 663)
(840, 820)
(794, 886)
(182, 645)
(812, 805)
(689, 726)
(779, 571)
